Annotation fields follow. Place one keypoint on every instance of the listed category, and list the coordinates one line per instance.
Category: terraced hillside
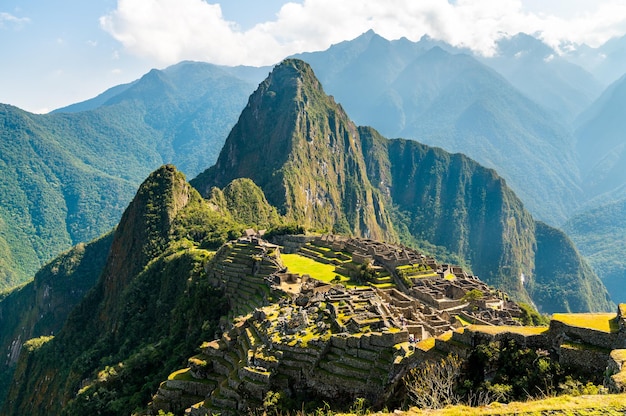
(342, 319)
(241, 267)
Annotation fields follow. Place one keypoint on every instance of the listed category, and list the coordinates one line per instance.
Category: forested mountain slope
(67, 176)
(443, 98)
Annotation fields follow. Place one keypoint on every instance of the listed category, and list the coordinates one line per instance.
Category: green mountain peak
(144, 230)
(302, 150)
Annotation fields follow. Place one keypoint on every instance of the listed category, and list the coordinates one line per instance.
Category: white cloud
(8, 20)
(173, 30)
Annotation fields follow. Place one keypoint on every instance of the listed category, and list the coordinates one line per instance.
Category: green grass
(463, 322)
(384, 285)
(182, 374)
(426, 344)
(606, 322)
(589, 405)
(522, 330)
(303, 265)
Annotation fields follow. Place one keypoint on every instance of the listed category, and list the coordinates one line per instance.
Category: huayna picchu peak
(301, 148)
(319, 262)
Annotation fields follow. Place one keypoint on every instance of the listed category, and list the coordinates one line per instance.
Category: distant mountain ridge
(449, 99)
(545, 76)
(68, 175)
(598, 227)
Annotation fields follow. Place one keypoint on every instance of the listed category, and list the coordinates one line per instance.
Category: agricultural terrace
(606, 322)
(304, 265)
(521, 330)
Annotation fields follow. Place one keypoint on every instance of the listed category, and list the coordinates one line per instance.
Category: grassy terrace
(591, 405)
(416, 271)
(303, 265)
(325, 272)
(522, 330)
(606, 322)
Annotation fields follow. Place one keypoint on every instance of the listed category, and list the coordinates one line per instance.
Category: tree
(432, 384)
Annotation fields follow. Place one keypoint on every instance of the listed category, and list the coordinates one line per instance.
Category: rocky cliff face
(300, 147)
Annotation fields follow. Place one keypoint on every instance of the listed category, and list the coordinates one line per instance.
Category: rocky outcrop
(616, 371)
(301, 148)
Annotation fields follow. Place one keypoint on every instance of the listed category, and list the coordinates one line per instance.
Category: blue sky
(57, 52)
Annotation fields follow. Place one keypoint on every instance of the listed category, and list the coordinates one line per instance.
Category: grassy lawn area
(304, 265)
(606, 322)
(523, 330)
(426, 344)
(592, 405)
(463, 322)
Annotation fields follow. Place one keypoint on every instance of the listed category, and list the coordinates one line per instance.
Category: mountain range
(68, 175)
(152, 303)
(427, 90)
(449, 99)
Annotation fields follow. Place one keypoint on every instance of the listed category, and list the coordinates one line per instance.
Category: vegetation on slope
(332, 176)
(150, 307)
(140, 321)
(599, 234)
(299, 146)
(67, 176)
(41, 306)
(563, 277)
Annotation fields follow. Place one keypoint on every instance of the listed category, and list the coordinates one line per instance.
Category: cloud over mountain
(173, 30)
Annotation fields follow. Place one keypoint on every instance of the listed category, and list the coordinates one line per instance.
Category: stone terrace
(243, 268)
(338, 342)
(435, 292)
(289, 345)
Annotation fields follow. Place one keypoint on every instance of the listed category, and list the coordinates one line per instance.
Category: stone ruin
(428, 296)
(338, 342)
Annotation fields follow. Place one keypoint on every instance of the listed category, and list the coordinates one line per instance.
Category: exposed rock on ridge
(299, 146)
